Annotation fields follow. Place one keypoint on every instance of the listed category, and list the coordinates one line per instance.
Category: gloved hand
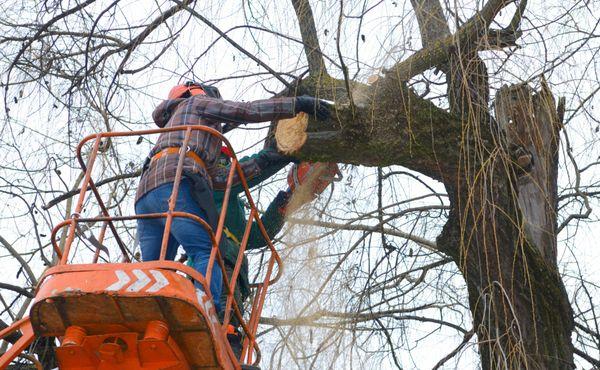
(282, 200)
(313, 106)
(272, 157)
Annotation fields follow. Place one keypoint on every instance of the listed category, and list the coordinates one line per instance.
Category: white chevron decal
(161, 281)
(207, 305)
(142, 281)
(200, 296)
(123, 280)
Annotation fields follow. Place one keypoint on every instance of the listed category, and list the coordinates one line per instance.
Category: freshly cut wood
(291, 133)
(372, 79)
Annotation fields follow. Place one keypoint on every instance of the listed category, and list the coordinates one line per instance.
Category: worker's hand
(313, 106)
(271, 157)
(282, 201)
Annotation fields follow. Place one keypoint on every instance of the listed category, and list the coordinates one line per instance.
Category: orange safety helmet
(190, 87)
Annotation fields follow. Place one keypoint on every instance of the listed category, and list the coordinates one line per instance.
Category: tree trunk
(502, 234)
(500, 175)
(501, 181)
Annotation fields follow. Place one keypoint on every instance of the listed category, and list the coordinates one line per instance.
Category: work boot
(235, 340)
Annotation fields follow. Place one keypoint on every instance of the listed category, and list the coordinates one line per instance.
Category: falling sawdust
(307, 265)
(301, 297)
(303, 194)
(301, 257)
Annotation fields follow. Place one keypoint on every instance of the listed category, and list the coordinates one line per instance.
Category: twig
(16, 289)
(464, 342)
(74, 192)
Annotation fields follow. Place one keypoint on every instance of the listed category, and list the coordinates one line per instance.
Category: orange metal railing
(251, 351)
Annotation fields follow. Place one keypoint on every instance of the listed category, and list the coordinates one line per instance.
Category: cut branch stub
(531, 123)
(290, 133)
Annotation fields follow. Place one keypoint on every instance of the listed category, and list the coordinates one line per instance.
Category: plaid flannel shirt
(211, 112)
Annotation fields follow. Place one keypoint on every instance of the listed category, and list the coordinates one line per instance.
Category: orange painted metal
(27, 336)
(236, 271)
(74, 336)
(149, 300)
(157, 330)
(121, 351)
(146, 315)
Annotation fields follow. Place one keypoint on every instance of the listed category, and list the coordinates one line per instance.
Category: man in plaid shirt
(197, 104)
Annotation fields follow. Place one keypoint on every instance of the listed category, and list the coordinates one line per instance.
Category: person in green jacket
(257, 168)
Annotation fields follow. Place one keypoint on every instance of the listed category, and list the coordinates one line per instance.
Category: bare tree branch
(308, 32)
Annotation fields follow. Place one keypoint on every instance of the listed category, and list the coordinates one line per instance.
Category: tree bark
(519, 304)
(495, 232)
(391, 125)
(500, 174)
(530, 121)
(308, 30)
(504, 241)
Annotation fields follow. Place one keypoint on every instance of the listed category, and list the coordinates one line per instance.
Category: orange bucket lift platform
(144, 315)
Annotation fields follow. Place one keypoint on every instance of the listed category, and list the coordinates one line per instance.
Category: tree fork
(520, 308)
(389, 125)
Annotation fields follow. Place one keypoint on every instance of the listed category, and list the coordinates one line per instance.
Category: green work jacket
(236, 218)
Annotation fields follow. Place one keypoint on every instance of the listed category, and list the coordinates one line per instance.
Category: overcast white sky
(391, 34)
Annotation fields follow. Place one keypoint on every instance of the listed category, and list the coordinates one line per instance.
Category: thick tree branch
(438, 52)
(396, 126)
(308, 32)
(432, 23)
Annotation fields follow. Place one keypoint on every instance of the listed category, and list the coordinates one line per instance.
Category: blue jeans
(184, 231)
